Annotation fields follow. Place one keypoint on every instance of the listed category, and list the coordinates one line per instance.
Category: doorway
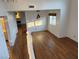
(19, 49)
(21, 20)
(5, 27)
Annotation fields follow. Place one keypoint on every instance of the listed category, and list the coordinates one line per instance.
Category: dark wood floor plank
(19, 50)
(47, 46)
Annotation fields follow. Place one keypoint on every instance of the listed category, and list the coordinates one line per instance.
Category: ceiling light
(17, 15)
(38, 16)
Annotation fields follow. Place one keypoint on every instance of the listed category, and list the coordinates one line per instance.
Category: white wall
(63, 5)
(72, 30)
(3, 48)
(55, 29)
(2, 9)
(31, 17)
(12, 28)
(11, 22)
(39, 4)
(23, 18)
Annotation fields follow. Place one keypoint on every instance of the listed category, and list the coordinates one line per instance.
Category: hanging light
(17, 15)
(38, 16)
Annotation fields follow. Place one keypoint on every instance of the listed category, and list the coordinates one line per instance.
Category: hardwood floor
(19, 50)
(47, 46)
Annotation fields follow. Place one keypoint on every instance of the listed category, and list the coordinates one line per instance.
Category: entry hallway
(19, 50)
(47, 46)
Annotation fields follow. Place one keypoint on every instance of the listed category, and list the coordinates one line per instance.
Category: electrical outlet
(74, 36)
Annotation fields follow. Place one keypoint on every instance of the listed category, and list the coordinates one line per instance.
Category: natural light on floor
(30, 24)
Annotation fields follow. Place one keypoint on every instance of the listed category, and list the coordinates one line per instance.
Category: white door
(3, 47)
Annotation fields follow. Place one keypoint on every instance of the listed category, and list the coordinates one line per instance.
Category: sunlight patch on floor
(40, 37)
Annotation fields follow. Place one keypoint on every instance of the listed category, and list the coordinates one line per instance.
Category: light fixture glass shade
(38, 16)
(17, 15)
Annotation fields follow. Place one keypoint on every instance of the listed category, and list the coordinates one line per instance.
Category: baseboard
(56, 36)
(39, 31)
(63, 37)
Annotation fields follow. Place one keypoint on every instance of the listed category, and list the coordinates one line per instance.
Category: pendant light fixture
(38, 16)
(17, 15)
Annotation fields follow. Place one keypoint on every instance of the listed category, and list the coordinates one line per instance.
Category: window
(35, 23)
(38, 23)
(30, 24)
(52, 20)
